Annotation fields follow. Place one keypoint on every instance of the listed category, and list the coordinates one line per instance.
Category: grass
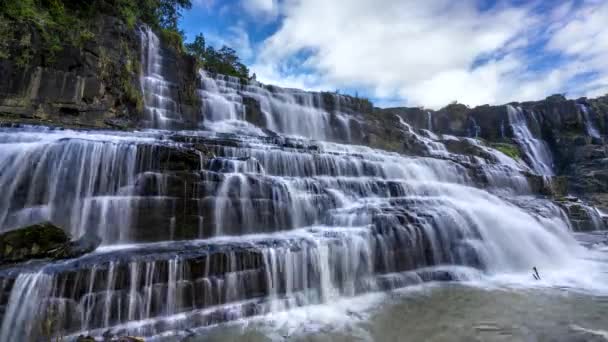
(510, 150)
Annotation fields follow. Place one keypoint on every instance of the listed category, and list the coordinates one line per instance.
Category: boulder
(43, 240)
(32, 242)
(73, 249)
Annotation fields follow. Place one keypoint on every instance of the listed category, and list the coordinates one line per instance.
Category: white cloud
(427, 52)
(584, 39)
(235, 37)
(261, 9)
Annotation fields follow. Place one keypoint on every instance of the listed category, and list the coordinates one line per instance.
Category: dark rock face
(567, 126)
(44, 240)
(33, 242)
(82, 86)
(94, 85)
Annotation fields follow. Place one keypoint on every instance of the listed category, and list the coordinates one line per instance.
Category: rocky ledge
(43, 241)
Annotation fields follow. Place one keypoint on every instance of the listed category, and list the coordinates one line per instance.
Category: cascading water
(296, 226)
(536, 150)
(202, 227)
(161, 110)
(474, 128)
(589, 125)
(79, 180)
(288, 111)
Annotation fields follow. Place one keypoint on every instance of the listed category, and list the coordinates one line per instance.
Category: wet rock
(128, 339)
(44, 240)
(83, 338)
(582, 216)
(73, 249)
(32, 242)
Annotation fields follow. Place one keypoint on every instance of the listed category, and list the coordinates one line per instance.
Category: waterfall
(288, 111)
(589, 125)
(277, 223)
(231, 221)
(79, 180)
(474, 129)
(161, 110)
(26, 307)
(429, 121)
(536, 150)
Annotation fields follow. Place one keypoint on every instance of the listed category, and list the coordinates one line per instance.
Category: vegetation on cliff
(510, 150)
(223, 61)
(60, 23)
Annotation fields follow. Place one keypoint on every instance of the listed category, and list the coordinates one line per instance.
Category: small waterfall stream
(159, 105)
(536, 150)
(592, 131)
(289, 111)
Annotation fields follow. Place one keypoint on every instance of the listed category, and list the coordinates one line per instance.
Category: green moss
(85, 36)
(32, 241)
(26, 55)
(173, 38)
(133, 96)
(191, 96)
(510, 150)
(127, 78)
(105, 64)
(128, 13)
(6, 34)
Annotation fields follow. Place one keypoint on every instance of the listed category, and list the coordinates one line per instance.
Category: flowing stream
(536, 150)
(258, 219)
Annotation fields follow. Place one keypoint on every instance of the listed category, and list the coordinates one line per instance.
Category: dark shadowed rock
(73, 249)
(41, 241)
(32, 242)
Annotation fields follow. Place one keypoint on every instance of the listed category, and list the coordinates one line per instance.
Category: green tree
(169, 12)
(223, 61)
(197, 47)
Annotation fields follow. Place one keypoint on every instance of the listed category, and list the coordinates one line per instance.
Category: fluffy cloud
(435, 51)
(583, 39)
(261, 9)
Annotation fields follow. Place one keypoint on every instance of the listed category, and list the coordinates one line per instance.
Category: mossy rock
(510, 150)
(32, 242)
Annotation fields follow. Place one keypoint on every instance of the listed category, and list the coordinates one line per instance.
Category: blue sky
(417, 53)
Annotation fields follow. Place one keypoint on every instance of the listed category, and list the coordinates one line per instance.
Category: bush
(68, 21)
(173, 38)
(223, 61)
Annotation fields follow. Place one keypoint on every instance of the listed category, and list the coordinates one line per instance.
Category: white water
(290, 111)
(538, 154)
(160, 107)
(589, 125)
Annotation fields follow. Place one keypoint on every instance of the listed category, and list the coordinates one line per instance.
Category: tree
(169, 12)
(197, 48)
(223, 61)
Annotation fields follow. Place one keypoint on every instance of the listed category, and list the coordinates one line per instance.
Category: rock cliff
(94, 83)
